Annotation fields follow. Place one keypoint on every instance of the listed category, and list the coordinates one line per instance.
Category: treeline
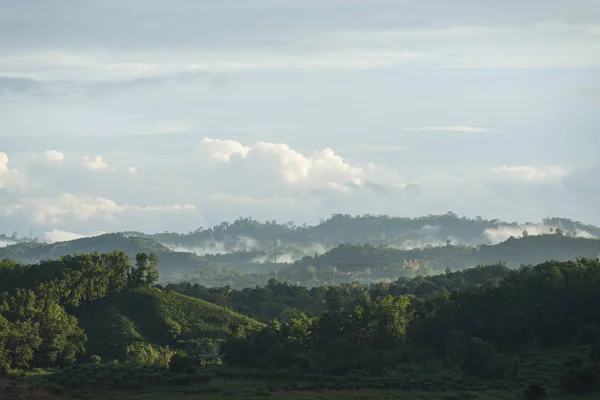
(368, 228)
(345, 263)
(541, 307)
(39, 303)
(282, 300)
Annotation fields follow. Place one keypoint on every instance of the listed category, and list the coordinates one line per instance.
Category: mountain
(246, 234)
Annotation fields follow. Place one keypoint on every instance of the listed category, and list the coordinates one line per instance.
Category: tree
(535, 391)
(145, 272)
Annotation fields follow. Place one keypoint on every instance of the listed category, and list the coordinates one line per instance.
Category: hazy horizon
(171, 115)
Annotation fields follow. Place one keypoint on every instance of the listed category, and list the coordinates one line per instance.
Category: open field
(255, 390)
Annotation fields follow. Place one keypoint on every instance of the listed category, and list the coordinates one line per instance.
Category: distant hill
(365, 262)
(161, 318)
(514, 252)
(246, 234)
(171, 264)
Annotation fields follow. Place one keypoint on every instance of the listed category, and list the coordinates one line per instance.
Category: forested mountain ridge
(343, 263)
(403, 232)
(514, 252)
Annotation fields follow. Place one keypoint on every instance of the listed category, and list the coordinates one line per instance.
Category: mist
(242, 243)
(502, 233)
(4, 243)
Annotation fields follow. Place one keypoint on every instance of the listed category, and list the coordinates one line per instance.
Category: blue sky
(170, 115)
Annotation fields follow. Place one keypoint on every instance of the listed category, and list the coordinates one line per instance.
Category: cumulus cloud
(54, 156)
(280, 163)
(95, 163)
(9, 178)
(227, 178)
(222, 150)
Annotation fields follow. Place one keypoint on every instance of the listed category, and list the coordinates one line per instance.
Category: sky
(172, 115)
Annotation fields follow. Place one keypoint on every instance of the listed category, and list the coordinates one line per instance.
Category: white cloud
(94, 163)
(456, 128)
(222, 150)
(280, 166)
(132, 170)
(9, 178)
(70, 207)
(54, 156)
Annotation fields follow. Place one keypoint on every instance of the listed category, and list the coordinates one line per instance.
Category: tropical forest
(355, 307)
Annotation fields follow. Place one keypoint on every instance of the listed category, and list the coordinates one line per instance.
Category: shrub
(182, 364)
(535, 391)
(95, 359)
(581, 379)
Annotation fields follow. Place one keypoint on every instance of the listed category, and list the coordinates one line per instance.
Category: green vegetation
(344, 263)
(99, 326)
(368, 228)
(43, 308)
(160, 318)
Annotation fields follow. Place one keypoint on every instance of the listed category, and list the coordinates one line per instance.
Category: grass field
(222, 389)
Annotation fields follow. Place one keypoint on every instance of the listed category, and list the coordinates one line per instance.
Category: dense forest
(403, 232)
(97, 321)
(450, 320)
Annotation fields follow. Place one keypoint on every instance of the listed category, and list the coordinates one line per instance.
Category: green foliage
(44, 307)
(280, 299)
(472, 329)
(535, 391)
(95, 359)
(584, 378)
(160, 318)
(182, 364)
(146, 354)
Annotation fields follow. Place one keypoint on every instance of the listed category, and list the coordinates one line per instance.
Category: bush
(95, 359)
(581, 379)
(594, 355)
(182, 364)
(535, 391)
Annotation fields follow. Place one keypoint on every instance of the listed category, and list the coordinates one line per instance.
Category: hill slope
(162, 318)
(171, 264)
